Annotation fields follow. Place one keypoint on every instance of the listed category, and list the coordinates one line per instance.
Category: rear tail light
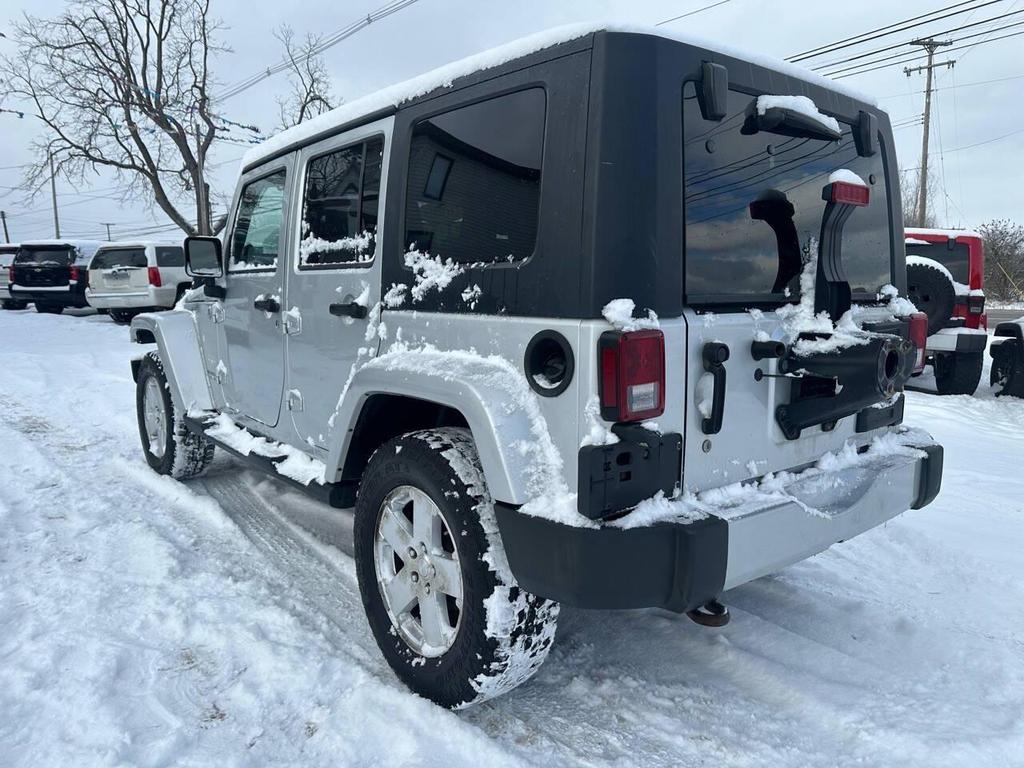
(632, 375)
(975, 305)
(154, 277)
(10, 274)
(850, 194)
(73, 274)
(919, 335)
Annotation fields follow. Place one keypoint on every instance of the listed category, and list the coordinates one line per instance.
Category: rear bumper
(680, 566)
(61, 295)
(154, 297)
(961, 341)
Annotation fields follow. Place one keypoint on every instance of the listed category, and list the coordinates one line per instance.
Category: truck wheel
(49, 309)
(958, 374)
(932, 293)
(121, 316)
(442, 603)
(170, 448)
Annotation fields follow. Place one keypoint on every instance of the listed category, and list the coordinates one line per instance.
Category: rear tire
(489, 638)
(932, 293)
(170, 448)
(49, 309)
(958, 374)
(121, 316)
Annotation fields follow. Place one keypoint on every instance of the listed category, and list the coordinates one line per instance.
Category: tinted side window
(119, 257)
(256, 240)
(171, 256)
(473, 191)
(339, 223)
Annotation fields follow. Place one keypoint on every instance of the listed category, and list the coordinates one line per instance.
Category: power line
(322, 45)
(908, 42)
(882, 31)
(692, 13)
(955, 86)
(918, 58)
(841, 70)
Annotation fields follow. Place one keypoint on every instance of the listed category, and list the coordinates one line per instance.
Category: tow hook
(711, 614)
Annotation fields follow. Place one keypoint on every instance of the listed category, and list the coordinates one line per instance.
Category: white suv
(132, 277)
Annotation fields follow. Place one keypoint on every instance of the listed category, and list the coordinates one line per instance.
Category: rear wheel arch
(384, 417)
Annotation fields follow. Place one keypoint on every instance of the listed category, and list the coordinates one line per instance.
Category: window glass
(256, 239)
(170, 256)
(956, 258)
(119, 257)
(473, 190)
(754, 207)
(339, 224)
(56, 256)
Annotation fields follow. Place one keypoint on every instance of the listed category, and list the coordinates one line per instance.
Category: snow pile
(799, 104)
(296, 465)
(358, 246)
(432, 273)
(846, 176)
(799, 318)
(597, 433)
(687, 506)
(619, 313)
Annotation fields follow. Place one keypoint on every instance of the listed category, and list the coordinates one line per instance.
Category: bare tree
(122, 84)
(307, 77)
(909, 181)
(1004, 259)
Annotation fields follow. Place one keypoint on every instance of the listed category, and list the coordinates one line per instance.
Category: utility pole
(3, 218)
(53, 195)
(930, 45)
(108, 225)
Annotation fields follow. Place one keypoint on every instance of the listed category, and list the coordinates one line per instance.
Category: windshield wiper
(795, 116)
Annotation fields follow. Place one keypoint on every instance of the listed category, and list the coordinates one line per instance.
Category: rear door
(335, 274)
(119, 270)
(252, 371)
(753, 212)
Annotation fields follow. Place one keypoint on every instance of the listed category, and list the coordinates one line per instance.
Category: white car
(7, 252)
(132, 277)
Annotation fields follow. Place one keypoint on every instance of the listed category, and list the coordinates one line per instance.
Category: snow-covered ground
(146, 622)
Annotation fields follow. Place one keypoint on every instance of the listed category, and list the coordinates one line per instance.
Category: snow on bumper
(959, 340)
(682, 565)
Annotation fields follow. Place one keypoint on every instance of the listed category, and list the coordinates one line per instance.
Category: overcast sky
(981, 182)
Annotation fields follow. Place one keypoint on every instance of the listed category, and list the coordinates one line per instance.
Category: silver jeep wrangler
(604, 318)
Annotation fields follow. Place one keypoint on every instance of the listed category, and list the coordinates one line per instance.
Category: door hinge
(294, 400)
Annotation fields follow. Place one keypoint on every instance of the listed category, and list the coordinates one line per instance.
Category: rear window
(952, 255)
(731, 256)
(170, 256)
(473, 191)
(54, 257)
(119, 257)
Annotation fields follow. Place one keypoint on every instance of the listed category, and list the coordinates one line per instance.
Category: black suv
(53, 274)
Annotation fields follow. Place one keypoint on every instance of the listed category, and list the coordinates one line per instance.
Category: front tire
(14, 304)
(170, 448)
(49, 309)
(441, 601)
(958, 374)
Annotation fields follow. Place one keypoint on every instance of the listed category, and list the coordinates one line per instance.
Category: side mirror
(203, 257)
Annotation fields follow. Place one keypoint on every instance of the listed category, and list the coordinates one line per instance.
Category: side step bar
(339, 495)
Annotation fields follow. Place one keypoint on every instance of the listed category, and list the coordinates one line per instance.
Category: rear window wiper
(795, 116)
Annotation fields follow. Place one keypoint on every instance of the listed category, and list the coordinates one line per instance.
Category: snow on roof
(912, 232)
(394, 95)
